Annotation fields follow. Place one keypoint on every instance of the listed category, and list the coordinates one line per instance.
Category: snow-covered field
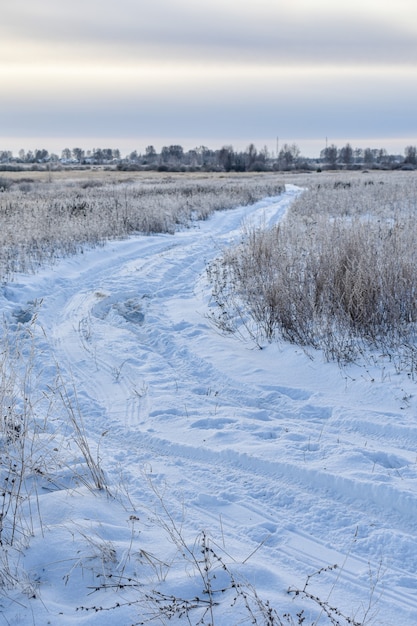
(285, 463)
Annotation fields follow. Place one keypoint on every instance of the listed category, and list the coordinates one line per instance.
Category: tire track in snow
(166, 401)
(167, 269)
(267, 514)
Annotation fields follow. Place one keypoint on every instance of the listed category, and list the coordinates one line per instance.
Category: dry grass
(38, 426)
(339, 274)
(42, 221)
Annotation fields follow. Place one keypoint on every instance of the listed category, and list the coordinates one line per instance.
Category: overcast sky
(127, 73)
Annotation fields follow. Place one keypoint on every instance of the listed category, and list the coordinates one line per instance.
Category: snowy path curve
(269, 446)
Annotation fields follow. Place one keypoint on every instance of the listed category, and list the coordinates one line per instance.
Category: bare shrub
(5, 183)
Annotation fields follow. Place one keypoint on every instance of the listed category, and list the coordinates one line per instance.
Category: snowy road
(268, 447)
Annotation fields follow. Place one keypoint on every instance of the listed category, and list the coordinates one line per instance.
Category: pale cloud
(209, 68)
(265, 32)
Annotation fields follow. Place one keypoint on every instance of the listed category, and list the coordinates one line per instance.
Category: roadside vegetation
(339, 271)
(182, 578)
(338, 274)
(44, 220)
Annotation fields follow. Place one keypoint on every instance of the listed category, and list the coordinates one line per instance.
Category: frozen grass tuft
(339, 274)
(45, 221)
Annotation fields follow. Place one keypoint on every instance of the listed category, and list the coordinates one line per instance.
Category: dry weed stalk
(215, 590)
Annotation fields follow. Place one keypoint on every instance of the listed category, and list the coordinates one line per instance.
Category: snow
(288, 463)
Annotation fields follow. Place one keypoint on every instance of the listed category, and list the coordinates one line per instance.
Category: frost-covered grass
(155, 471)
(338, 274)
(43, 447)
(42, 220)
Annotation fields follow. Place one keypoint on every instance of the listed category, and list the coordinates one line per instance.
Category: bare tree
(368, 156)
(330, 154)
(78, 154)
(172, 155)
(5, 156)
(225, 157)
(66, 154)
(288, 156)
(410, 155)
(150, 154)
(346, 155)
(251, 155)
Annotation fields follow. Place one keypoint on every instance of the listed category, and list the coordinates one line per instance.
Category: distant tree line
(348, 157)
(226, 158)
